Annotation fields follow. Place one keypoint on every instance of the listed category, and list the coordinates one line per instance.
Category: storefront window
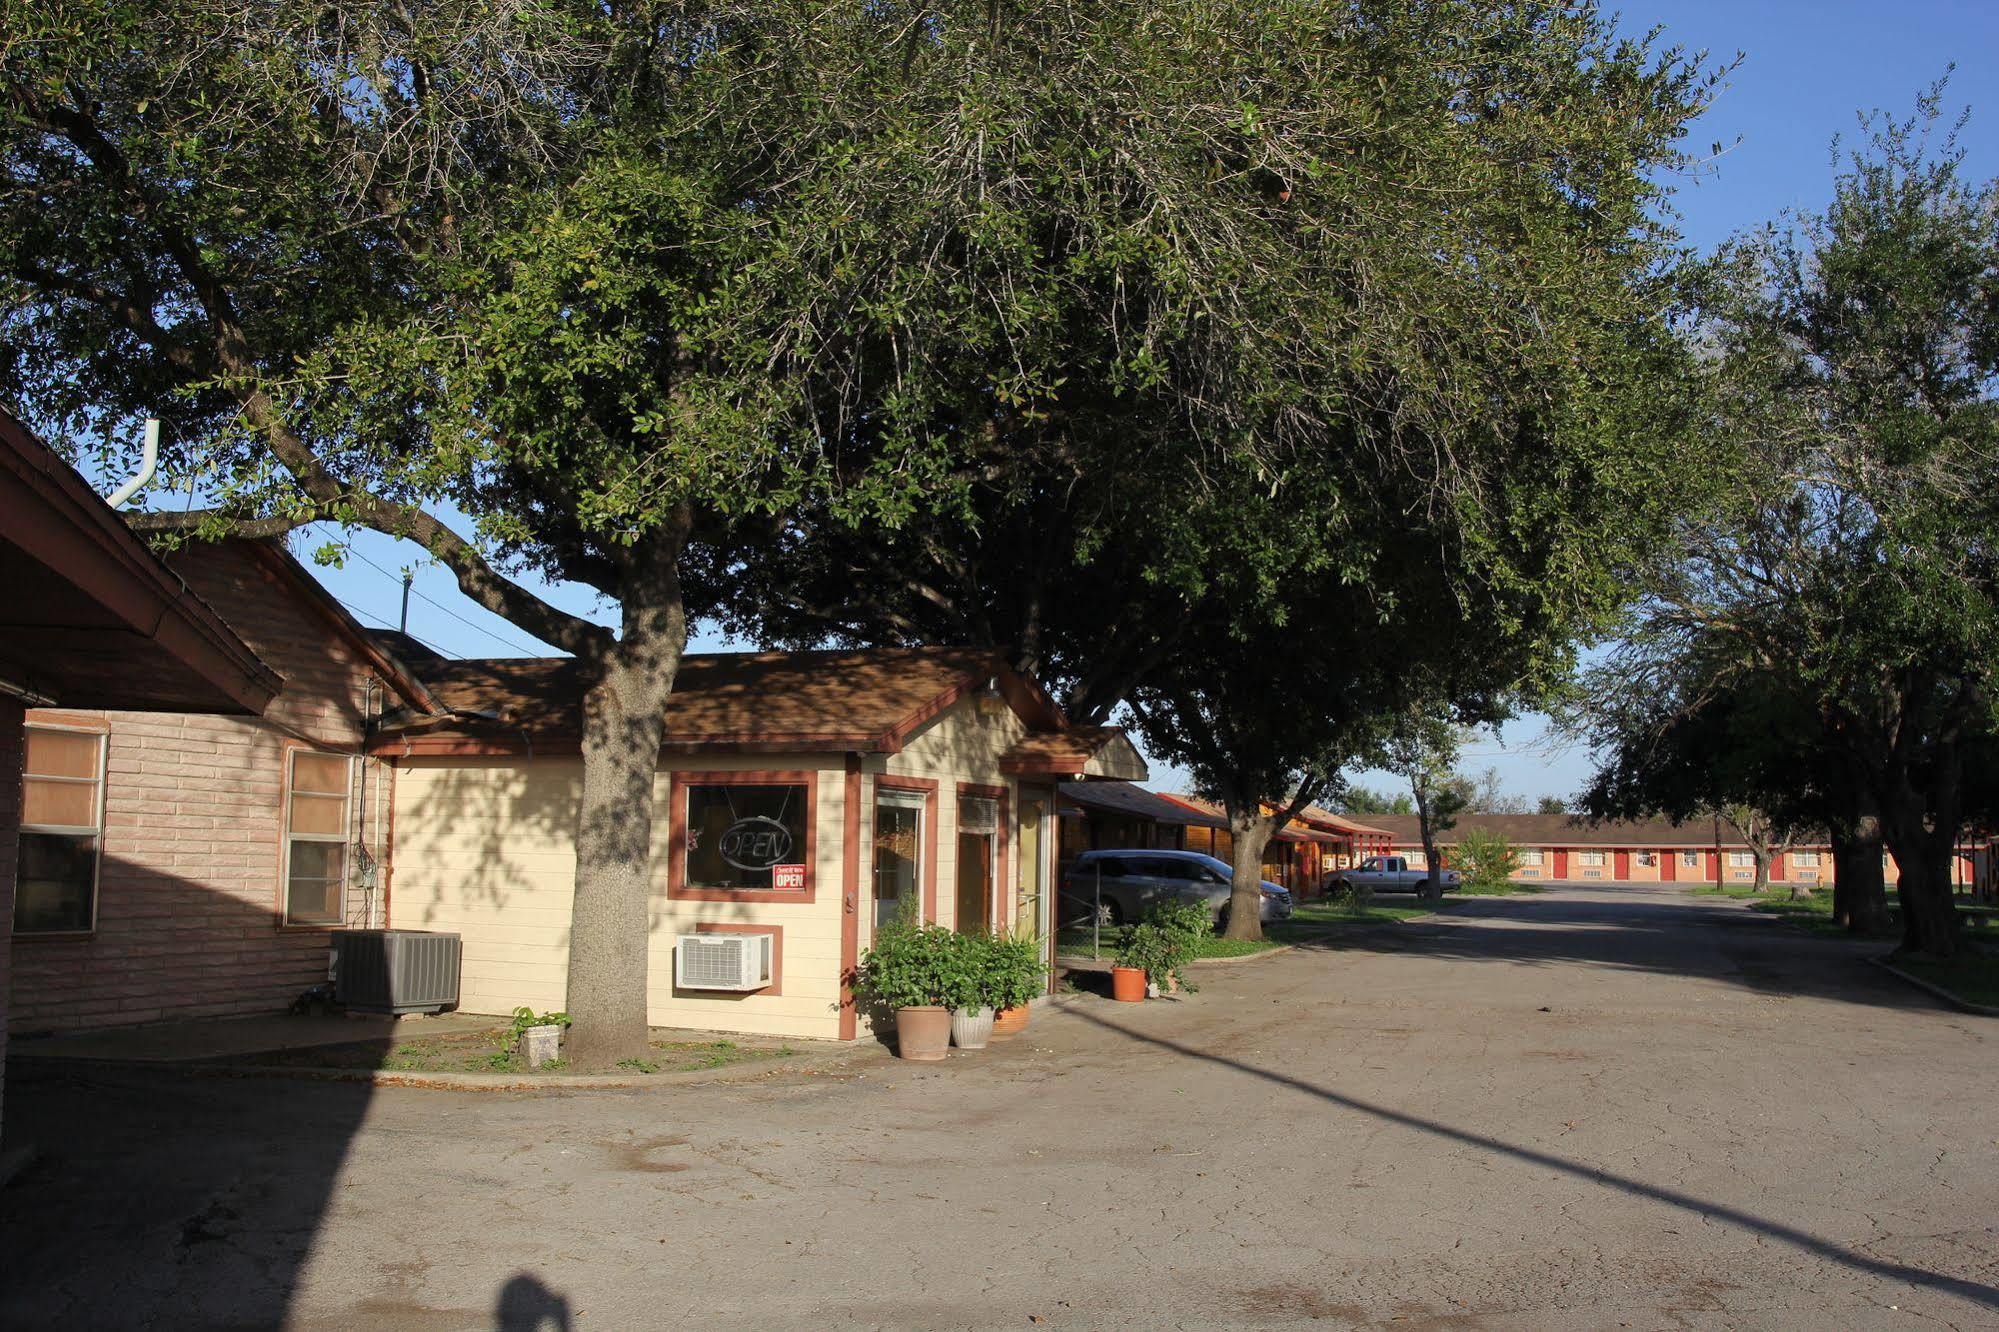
(746, 837)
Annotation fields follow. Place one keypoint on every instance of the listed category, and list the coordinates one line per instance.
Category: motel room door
(1031, 901)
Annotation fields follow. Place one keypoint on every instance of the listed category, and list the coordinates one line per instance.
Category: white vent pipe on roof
(149, 462)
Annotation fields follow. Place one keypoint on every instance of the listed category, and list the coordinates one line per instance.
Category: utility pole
(1717, 853)
(408, 578)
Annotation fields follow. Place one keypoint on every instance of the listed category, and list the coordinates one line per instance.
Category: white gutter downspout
(149, 461)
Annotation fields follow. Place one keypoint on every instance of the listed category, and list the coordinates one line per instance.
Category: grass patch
(1213, 947)
(1336, 914)
(1508, 888)
(1973, 978)
(477, 1051)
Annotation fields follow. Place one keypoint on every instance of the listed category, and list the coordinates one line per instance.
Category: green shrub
(1486, 859)
(1188, 922)
(1354, 899)
(914, 966)
(1016, 972)
(1164, 943)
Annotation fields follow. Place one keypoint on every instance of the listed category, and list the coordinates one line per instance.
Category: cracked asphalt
(1582, 1109)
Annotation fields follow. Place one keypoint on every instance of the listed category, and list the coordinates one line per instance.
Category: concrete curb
(747, 1071)
(1964, 1005)
(1246, 957)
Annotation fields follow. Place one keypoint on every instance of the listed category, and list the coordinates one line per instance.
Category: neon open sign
(756, 843)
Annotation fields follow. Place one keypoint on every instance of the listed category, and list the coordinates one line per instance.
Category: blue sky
(1807, 68)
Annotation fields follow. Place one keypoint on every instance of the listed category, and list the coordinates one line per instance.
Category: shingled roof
(866, 700)
(1136, 802)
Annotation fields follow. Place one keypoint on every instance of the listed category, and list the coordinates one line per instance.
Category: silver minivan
(1118, 886)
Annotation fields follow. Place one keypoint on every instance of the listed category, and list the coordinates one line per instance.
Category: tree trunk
(1433, 881)
(623, 721)
(1859, 889)
(1929, 915)
(1251, 830)
(1761, 884)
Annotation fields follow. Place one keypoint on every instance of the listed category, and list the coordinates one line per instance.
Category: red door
(1777, 868)
(1669, 865)
(1621, 864)
(1713, 859)
(1561, 863)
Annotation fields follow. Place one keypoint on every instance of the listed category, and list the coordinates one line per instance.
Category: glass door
(898, 856)
(1030, 908)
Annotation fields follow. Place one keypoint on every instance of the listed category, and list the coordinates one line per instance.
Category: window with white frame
(317, 789)
(62, 822)
(1690, 858)
(1805, 859)
(1741, 860)
(1530, 857)
(1591, 858)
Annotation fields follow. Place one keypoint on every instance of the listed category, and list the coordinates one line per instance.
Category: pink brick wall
(10, 820)
(189, 916)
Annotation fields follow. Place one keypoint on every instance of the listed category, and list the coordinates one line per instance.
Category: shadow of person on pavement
(526, 1305)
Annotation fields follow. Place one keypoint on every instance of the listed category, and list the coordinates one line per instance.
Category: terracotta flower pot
(1009, 1022)
(923, 1033)
(1128, 984)
(971, 1028)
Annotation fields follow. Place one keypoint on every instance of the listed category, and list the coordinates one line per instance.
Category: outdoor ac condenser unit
(395, 971)
(723, 961)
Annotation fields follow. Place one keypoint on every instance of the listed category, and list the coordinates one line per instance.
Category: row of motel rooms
(1117, 815)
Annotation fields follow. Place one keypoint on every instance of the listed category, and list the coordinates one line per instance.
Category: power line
(370, 615)
(470, 624)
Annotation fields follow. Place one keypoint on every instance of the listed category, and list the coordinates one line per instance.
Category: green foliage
(1486, 860)
(509, 1037)
(1367, 800)
(1016, 971)
(912, 965)
(1821, 648)
(1354, 899)
(1161, 945)
(1190, 923)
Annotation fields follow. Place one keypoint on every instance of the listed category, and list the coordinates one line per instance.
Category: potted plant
(968, 989)
(538, 1040)
(1186, 925)
(1019, 973)
(909, 970)
(1141, 950)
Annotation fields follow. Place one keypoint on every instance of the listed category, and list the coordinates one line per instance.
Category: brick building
(1565, 847)
(180, 864)
(91, 618)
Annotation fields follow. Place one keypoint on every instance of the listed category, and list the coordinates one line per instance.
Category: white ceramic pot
(541, 1044)
(971, 1028)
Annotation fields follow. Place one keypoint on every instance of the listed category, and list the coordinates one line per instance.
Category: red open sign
(787, 876)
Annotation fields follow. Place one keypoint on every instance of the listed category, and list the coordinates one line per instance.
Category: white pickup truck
(1388, 874)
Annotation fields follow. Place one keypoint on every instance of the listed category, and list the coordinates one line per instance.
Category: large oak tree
(622, 295)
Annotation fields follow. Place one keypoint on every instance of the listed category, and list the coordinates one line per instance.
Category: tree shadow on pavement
(1667, 934)
(1804, 1241)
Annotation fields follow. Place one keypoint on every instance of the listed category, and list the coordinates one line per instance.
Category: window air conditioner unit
(723, 961)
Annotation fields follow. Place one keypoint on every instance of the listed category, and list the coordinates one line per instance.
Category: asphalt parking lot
(1580, 1109)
